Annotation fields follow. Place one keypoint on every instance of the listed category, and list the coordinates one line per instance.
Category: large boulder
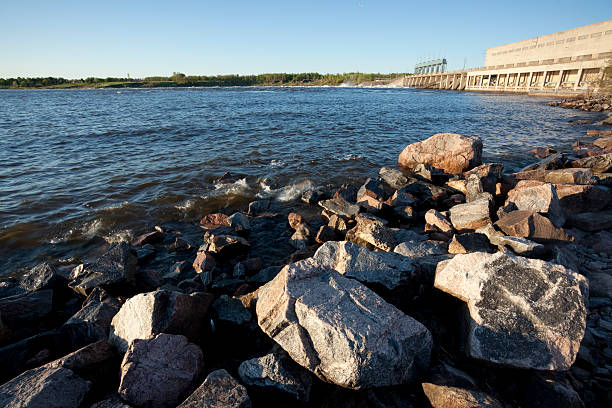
(450, 152)
(27, 308)
(560, 176)
(575, 198)
(115, 270)
(536, 196)
(276, 371)
(44, 387)
(524, 313)
(384, 268)
(160, 371)
(219, 390)
(339, 329)
(599, 164)
(161, 311)
(340, 206)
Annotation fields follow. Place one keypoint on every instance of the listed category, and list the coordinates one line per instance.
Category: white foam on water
(287, 193)
(240, 187)
(119, 236)
(186, 205)
(277, 163)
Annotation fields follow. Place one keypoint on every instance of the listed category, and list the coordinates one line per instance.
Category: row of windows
(551, 43)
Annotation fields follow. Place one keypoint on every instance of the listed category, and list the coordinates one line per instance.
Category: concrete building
(567, 62)
(438, 65)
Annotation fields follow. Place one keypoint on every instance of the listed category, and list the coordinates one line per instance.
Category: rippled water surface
(79, 165)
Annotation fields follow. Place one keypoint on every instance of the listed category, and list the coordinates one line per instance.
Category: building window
(595, 35)
(582, 37)
(571, 39)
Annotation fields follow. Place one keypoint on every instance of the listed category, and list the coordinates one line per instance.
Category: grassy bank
(181, 80)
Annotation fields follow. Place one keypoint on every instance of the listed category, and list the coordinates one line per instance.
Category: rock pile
(444, 283)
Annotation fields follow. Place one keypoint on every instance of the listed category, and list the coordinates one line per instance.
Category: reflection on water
(79, 165)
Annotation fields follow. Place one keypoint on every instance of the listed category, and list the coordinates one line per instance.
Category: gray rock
(473, 188)
(239, 222)
(340, 206)
(44, 387)
(277, 371)
(599, 164)
(530, 195)
(219, 390)
(385, 268)
(225, 246)
(520, 246)
(92, 322)
(159, 372)
(372, 233)
(113, 270)
(470, 242)
(111, 402)
(150, 313)
(435, 221)
(531, 225)
(394, 178)
(525, 313)
(418, 249)
(258, 207)
(339, 329)
(26, 308)
(445, 396)
(43, 276)
(471, 216)
(592, 221)
(230, 310)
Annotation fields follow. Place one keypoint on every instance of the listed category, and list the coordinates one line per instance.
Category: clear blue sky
(83, 38)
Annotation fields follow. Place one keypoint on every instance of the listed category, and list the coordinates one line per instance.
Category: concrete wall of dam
(567, 62)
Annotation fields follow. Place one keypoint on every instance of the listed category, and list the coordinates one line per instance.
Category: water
(82, 166)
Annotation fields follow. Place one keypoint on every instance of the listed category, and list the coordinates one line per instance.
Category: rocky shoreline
(444, 282)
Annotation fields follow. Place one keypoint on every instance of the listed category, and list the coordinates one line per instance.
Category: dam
(565, 63)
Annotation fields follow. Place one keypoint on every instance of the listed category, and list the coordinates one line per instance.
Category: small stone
(213, 221)
(301, 238)
(219, 390)
(204, 262)
(149, 238)
(471, 216)
(226, 246)
(434, 221)
(310, 197)
(295, 220)
(258, 207)
(180, 245)
(394, 178)
(347, 192)
(159, 372)
(536, 196)
(531, 225)
(470, 242)
(239, 222)
(444, 396)
(340, 206)
(231, 310)
(372, 233)
(277, 371)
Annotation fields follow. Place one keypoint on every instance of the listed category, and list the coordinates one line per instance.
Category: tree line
(180, 79)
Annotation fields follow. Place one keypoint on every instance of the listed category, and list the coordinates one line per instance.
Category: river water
(83, 166)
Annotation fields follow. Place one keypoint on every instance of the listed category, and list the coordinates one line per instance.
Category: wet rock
(301, 237)
(394, 178)
(435, 221)
(145, 254)
(561, 176)
(371, 232)
(600, 284)
(531, 225)
(150, 313)
(239, 222)
(471, 216)
(277, 371)
(153, 237)
(542, 152)
(26, 308)
(92, 322)
(219, 390)
(552, 162)
(340, 206)
(599, 164)
(327, 233)
(295, 220)
(44, 387)
(387, 269)
(450, 152)
(348, 192)
(43, 276)
(575, 198)
(258, 207)
(213, 221)
(444, 396)
(536, 196)
(523, 312)
(339, 329)
(225, 246)
(160, 371)
(470, 242)
(204, 264)
(592, 221)
(231, 310)
(113, 271)
(310, 197)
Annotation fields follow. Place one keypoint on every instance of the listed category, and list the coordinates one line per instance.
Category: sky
(78, 39)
